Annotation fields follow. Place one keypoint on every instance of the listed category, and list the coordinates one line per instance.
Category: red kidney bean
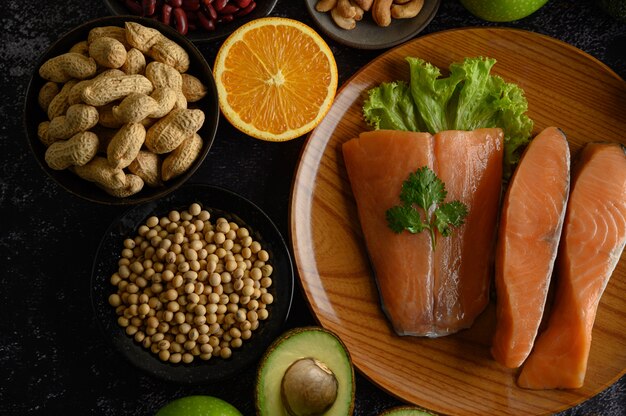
(149, 7)
(206, 22)
(247, 9)
(192, 17)
(134, 7)
(191, 5)
(209, 10)
(180, 19)
(226, 18)
(242, 4)
(166, 14)
(229, 9)
(219, 4)
(189, 15)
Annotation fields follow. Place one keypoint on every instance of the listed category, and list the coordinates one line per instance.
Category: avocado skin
(615, 8)
(301, 333)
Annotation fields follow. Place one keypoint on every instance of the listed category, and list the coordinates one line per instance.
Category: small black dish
(33, 114)
(368, 35)
(262, 9)
(218, 201)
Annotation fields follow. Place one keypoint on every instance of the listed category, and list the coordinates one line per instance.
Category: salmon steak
(531, 221)
(594, 233)
(426, 292)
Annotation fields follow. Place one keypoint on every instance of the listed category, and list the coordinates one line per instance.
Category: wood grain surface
(453, 375)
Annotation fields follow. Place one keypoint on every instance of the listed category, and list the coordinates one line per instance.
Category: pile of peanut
(345, 13)
(190, 288)
(117, 109)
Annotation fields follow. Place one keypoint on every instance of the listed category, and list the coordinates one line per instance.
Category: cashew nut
(325, 5)
(345, 9)
(381, 12)
(359, 11)
(364, 4)
(342, 22)
(407, 10)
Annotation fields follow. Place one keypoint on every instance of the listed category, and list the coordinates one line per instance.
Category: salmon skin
(593, 239)
(528, 239)
(425, 292)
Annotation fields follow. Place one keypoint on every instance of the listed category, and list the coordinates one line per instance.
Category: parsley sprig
(425, 190)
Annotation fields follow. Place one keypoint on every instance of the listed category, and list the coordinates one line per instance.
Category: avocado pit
(308, 388)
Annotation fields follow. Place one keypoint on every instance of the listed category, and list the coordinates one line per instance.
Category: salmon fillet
(470, 164)
(528, 239)
(377, 163)
(593, 239)
(422, 292)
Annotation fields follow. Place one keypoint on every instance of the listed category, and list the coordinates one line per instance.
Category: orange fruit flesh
(278, 79)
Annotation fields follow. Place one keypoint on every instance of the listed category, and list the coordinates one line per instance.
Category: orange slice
(276, 78)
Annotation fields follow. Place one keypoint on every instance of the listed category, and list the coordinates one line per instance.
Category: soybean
(188, 288)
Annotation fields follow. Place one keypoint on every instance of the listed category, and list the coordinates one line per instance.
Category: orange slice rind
(276, 78)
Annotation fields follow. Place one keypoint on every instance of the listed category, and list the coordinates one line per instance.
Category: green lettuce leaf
(432, 94)
(390, 107)
(467, 99)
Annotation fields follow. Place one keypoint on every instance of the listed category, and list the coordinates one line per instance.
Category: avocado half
(306, 371)
(405, 411)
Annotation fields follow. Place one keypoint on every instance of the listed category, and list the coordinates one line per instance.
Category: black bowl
(33, 114)
(262, 9)
(218, 201)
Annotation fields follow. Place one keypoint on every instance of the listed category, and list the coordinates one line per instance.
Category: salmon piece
(377, 164)
(422, 292)
(593, 239)
(528, 239)
(470, 165)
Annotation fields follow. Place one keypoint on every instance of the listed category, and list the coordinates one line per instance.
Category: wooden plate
(455, 375)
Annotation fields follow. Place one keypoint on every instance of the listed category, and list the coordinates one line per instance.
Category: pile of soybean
(188, 288)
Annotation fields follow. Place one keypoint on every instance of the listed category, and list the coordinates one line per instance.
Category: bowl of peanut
(121, 110)
(193, 287)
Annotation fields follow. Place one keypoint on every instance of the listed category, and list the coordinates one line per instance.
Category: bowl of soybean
(219, 203)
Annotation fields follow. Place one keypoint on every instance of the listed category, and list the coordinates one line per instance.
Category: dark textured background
(53, 359)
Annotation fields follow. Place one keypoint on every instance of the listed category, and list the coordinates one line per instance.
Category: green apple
(502, 10)
(198, 406)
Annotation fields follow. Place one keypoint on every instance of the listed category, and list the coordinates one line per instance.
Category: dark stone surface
(53, 359)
